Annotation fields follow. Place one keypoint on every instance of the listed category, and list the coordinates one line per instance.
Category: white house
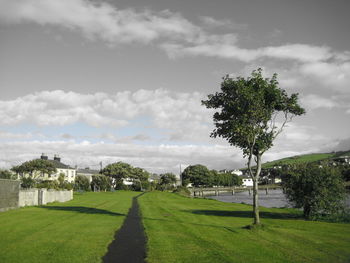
(247, 181)
(68, 172)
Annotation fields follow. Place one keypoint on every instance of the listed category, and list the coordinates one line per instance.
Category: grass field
(76, 231)
(181, 229)
(307, 158)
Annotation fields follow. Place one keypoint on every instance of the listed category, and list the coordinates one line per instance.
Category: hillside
(306, 158)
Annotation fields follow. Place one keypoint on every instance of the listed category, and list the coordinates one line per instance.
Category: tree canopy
(317, 189)
(37, 165)
(197, 175)
(251, 113)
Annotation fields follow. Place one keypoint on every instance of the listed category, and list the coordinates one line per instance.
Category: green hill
(306, 158)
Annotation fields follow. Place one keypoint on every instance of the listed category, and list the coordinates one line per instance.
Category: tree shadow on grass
(248, 214)
(82, 209)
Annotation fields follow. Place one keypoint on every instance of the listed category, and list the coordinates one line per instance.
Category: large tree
(119, 171)
(252, 112)
(197, 175)
(35, 166)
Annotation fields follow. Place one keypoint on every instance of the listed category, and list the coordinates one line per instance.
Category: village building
(62, 169)
(88, 173)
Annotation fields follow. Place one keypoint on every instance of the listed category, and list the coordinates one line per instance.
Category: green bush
(48, 185)
(182, 190)
(319, 190)
(27, 182)
(81, 183)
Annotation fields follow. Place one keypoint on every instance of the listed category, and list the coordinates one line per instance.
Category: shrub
(81, 183)
(319, 190)
(182, 190)
(27, 182)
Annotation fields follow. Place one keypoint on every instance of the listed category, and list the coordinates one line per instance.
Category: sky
(123, 80)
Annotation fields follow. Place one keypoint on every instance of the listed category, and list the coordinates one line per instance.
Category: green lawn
(181, 229)
(76, 231)
(307, 158)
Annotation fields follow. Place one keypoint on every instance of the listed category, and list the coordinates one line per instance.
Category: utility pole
(101, 166)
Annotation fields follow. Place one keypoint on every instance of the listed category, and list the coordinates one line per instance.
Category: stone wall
(28, 197)
(9, 190)
(11, 196)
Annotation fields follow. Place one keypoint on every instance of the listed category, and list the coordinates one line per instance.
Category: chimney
(43, 156)
(57, 158)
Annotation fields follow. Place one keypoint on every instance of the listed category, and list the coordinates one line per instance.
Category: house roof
(87, 171)
(59, 165)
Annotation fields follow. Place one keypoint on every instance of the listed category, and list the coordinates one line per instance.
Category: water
(275, 198)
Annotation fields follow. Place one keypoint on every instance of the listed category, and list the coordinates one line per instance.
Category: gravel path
(129, 244)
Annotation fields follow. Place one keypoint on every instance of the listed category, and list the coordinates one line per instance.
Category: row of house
(70, 172)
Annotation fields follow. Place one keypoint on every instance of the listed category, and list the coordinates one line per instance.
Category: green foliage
(101, 182)
(167, 181)
(225, 179)
(6, 174)
(248, 111)
(120, 171)
(27, 182)
(182, 190)
(40, 165)
(197, 175)
(318, 190)
(81, 183)
(48, 184)
(345, 172)
(61, 178)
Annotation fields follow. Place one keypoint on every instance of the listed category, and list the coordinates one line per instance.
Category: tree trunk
(255, 191)
(256, 202)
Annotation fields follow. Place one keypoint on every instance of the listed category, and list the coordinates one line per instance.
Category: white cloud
(179, 116)
(170, 31)
(313, 101)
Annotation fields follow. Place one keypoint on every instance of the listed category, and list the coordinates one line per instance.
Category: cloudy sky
(123, 80)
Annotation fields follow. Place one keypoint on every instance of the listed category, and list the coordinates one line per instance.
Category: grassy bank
(76, 231)
(181, 229)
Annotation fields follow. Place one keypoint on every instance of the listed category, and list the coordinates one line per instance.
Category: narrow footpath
(129, 244)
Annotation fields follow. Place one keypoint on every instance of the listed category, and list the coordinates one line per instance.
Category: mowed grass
(76, 231)
(181, 229)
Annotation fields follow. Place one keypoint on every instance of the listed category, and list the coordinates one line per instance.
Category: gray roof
(87, 171)
(59, 165)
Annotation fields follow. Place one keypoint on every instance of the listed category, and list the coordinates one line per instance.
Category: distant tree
(317, 189)
(225, 179)
(37, 165)
(82, 183)
(101, 182)
(6, 174)
(248, 118)
(197, 175)
(167, 181)
(119, 171)
(140, 177)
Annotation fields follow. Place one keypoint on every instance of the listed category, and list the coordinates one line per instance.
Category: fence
(11, 196)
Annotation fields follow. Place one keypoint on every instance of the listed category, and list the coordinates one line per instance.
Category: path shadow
(82, 209)
(248, 214)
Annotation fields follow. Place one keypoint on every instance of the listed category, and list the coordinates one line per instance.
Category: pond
(274, 198)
